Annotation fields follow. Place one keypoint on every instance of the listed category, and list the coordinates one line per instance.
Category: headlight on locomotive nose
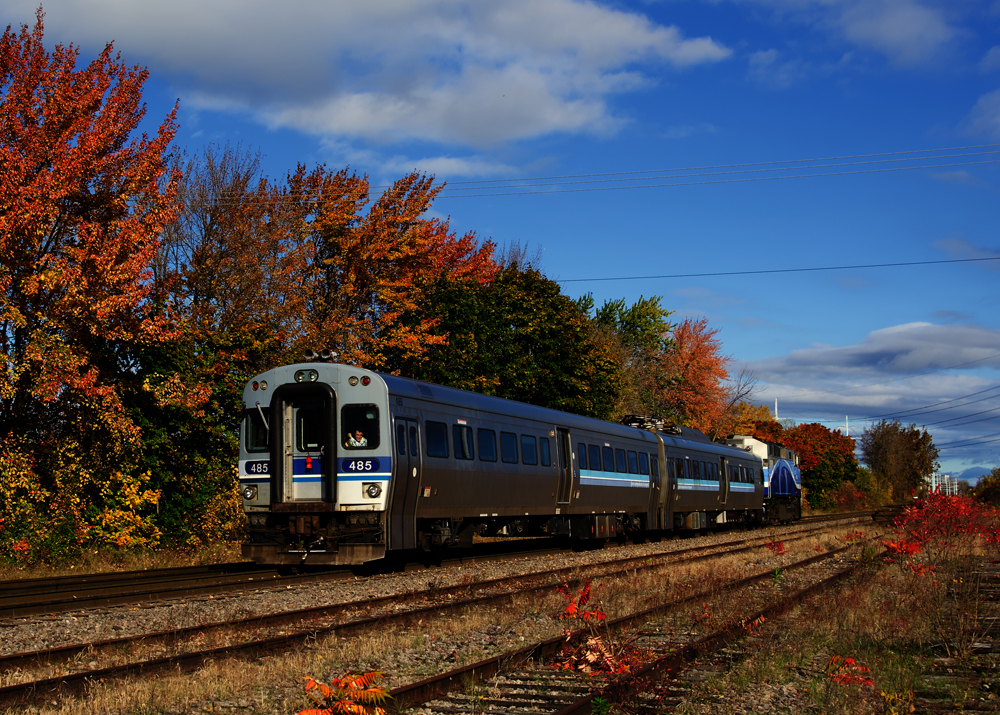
(250, 492)
(373, 490)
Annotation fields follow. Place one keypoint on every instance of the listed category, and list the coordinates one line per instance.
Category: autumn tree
(517, 336)
(747, 417)
(366, 270)
(987, 491)
(826, 458)
(700, 392)
(82, 205)
(904, 456)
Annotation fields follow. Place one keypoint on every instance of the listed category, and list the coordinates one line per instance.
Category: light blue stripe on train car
(363, 476)
(612, 479)
(740, 487)
(697, 485)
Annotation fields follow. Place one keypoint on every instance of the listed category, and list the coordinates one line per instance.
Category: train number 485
(360, 465)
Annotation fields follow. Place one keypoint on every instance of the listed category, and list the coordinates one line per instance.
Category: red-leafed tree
(698, 371)
(826, 458)
(81, 205)
(367, 270)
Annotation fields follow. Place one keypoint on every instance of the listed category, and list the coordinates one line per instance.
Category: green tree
(904, 456)
(517, 336)
(987, 491)
(641, 334)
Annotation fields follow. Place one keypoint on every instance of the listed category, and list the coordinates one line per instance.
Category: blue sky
(510, 91)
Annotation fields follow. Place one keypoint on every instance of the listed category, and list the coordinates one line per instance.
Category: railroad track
(48, 596)
(315, 622)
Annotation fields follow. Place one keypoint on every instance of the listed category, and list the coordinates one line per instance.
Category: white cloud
(440, 70)
(908, 32)
(985, 116)
(767, 69)
(991, 60)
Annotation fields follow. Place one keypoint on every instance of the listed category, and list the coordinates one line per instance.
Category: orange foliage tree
(366, 270)
(700, 392)
(82, 205)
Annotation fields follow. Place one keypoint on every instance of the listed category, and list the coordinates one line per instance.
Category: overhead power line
(779, 270)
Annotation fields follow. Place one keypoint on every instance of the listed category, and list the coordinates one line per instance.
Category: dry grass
(106, 561)
(405, 654)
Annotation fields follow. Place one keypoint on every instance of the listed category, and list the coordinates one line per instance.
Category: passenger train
(340, 465)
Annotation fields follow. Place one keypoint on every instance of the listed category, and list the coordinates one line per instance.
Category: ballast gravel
(38, 633)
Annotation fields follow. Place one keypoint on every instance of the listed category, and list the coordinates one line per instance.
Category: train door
(567, 468)
(724, 481)
(304, 449)
(406, 485)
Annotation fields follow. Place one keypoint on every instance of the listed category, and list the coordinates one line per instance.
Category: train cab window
(436, 434)
(359, 426)
(543, 451)
(633, 462)
(487, 445)
(654, 464)
(620, 461)
(255, 432)
(462, 435)
(401, 439)
(609, 459)
(508, 447)
(581, 455)
(309, 427)
(529, 449)
(643, 463)
(594, 455)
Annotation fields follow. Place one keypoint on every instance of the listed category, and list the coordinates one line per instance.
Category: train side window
(529, 449)
(255, 431)
(581, 451)
(359, 426)
(508, 447)
(543, 451)
(713, 471)
(609, 459)
(462, 435)
(487, 445)
(654, 464)
(696, 469)
(594, 453)
(643, 463)
(436, 434)
(401, 439)
(413, 441)
(682, 468)
(620, 461)
(633, 462)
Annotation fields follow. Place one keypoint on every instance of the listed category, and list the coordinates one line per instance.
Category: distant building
(944, 484)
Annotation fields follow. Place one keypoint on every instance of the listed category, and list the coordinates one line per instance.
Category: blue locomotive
(340, 465)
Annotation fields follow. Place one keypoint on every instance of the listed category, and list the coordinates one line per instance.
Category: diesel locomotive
(340, 465)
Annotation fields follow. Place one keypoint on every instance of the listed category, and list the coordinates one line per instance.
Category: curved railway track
(315, 622)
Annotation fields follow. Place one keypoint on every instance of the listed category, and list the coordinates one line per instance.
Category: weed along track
(74, 668)
(628, 657)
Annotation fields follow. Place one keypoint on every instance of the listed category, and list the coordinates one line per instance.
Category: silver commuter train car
(341, 465)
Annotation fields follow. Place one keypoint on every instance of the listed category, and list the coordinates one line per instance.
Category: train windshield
(359, 425)
(309, 426)
(255, 431)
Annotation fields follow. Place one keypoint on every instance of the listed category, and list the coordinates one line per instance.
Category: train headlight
(250, 492)
(352, 381)
(263, 384)
(306, 376)
(373, 490)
